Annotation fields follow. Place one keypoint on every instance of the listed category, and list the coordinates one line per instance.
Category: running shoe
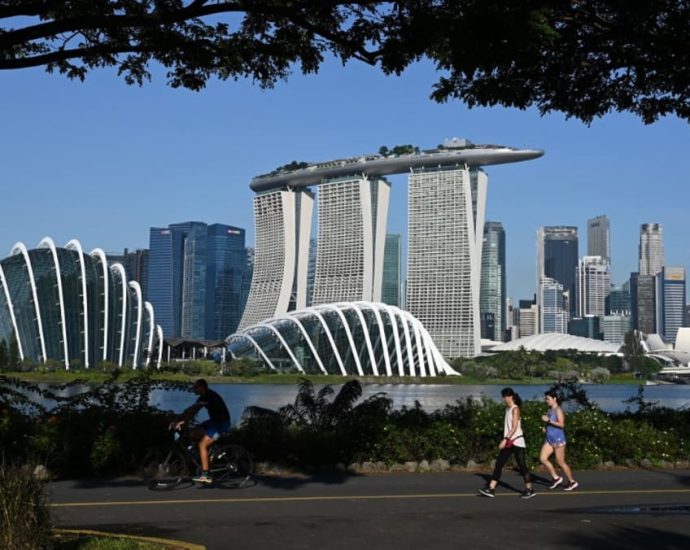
(571, 486)
(487, 492)
(203, 478)
(529, 493)
(556, 482)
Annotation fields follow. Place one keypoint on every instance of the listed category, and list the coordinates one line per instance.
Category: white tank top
(518, 436)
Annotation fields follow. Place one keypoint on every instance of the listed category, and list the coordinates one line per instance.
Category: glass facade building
(392, 285)
(65, 305)
(197, 278)
(599, 238)
(492, 295)
(557, 257)
(652, 256)
(136, 266)
(670, 300)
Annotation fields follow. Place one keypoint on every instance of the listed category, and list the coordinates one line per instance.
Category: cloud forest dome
(453, 152)
(346, 338)
(61, 304)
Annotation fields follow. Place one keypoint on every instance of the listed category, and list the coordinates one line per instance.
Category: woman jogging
(555, 442)
(513, 443)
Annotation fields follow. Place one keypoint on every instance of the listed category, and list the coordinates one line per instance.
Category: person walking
(554, 426)
(513, 443)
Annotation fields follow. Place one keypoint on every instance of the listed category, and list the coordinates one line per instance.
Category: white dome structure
(348, 338)
(559, 341)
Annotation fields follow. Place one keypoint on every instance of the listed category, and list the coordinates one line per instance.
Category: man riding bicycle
(208, 432)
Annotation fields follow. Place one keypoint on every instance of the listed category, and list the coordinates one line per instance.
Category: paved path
(612, 510)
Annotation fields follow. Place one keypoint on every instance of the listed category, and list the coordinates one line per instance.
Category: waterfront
(609, 397)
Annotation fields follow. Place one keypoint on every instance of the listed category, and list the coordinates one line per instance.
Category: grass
(94, 376)
(90, 542)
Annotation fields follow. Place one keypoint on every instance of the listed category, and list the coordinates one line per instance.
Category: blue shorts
(215, 429)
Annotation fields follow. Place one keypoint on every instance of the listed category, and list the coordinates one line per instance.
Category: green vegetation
(71, 541)
(398, 150)
(24, 516)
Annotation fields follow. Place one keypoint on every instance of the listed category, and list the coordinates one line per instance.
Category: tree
(4, 354)
(580, 57)
(14, 356)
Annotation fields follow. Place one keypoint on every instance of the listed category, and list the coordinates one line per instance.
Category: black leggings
(503, 457)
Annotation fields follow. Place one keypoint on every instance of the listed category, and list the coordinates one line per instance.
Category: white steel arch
(348, 333)
(74, 244)
(140, 316)
(256, 345)
(286, 317)
(390, 310)
(284, 343)
(10, 306)
(47, 242)
(336, 352)
(408, 342)
(384, 342)
(152, 329)
(100, 254)
(20, 248)
(365, 330)
(121, 270)
(159, 331)
(418, 342)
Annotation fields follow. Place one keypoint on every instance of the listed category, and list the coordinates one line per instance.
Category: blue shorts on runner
(215, 429)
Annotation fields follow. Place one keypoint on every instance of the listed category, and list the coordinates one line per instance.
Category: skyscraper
(592, 284)
(283, 228)
(651, 249)
(618, 300)
(493, 280)
(553, 315)
(643, 303)
(599, 238)
(390, 293)
(353, 213)
(670, 301)
(446, 220)
(557, 258)
(195, 276)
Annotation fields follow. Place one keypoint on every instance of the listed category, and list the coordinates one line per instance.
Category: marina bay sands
(447, 192)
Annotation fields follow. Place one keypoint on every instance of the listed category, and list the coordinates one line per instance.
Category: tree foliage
(581, 57)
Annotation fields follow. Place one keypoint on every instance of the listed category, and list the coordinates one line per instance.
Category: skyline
(137, 154)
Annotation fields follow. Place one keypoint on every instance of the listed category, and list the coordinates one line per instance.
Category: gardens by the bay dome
(64, 305)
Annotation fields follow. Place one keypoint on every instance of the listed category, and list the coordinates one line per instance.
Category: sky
(102, 162)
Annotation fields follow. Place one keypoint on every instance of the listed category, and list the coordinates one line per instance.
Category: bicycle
(167, 467)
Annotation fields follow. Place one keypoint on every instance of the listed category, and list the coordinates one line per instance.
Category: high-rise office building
(492, 293)
(599, 238)
(643, 302)
(614, 327)
(651, 249)
(196, 275)
(136, 264)
(446, 220)
(390, 293)
(670, 301)
(553, 314)
(592, 286)
(353, 213)
(527, 320)
(557, 258)
(311, 271)
(586, 327)
(618, 300)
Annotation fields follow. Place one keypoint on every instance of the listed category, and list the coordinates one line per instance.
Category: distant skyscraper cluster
(576, 294)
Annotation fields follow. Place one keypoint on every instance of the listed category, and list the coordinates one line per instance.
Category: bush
(24, 515)
(600, 375)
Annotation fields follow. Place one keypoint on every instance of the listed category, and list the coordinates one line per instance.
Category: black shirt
(217, 411)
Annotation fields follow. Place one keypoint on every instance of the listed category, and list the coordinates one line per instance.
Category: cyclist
(208, 432)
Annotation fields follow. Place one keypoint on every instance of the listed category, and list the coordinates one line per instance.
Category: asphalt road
(611, 509)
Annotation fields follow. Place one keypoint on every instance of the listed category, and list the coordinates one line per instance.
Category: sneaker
(529, 493)
(203, 478)
(571, 486)
(487, 492)
(556, 482)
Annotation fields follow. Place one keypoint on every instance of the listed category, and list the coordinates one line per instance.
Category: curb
(170, 542)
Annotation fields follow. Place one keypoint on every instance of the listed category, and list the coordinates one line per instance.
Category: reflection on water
(430, 396)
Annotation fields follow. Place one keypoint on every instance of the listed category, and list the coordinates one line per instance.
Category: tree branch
(64, 55)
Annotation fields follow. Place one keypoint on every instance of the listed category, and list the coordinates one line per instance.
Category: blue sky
(101, 161)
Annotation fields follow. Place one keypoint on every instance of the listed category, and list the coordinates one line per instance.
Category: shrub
(24, 515)
(599, 375)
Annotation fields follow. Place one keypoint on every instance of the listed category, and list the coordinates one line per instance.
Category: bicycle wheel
(232, 465)
(164, 468)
